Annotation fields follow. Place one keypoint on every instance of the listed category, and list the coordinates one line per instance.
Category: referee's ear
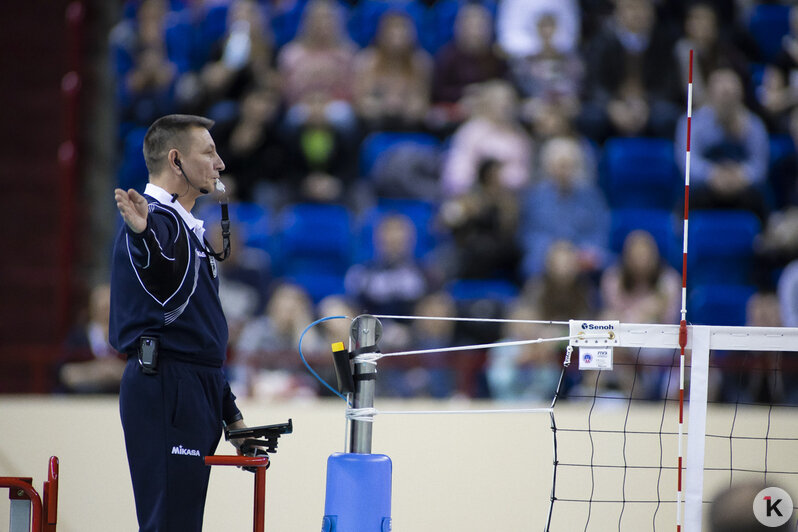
(174, 161)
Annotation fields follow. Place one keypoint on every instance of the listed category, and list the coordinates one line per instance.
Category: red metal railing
(260, 463)
(44, 515)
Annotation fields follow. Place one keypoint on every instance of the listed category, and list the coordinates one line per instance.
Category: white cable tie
(361, 414)
(367, 358)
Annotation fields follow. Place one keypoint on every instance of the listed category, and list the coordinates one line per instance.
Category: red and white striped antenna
(683, 322)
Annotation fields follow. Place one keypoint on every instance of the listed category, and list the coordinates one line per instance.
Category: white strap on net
(367, 414)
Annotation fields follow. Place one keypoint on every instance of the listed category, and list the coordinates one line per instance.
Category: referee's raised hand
(133, 208)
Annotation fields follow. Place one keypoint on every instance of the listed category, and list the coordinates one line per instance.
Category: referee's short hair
(166, 133)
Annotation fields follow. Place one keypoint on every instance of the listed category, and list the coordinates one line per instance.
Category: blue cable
(333, 390)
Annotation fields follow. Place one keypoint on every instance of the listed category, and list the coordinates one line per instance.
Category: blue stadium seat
(132, 171)
(781, 146)
(285, 22)
(639, 172)
(224, 111)
(213, 25)
(180, 40)
(420, 212)
(434, 24)
(660, 223)
(768, 24)
(720, 246)
(781, 172)
(466, 290)
(319, 285)
(365, 17)
(379, 142)
(757, 71)
(251, 220)
(313, 237)
(719, 304)
(255, 221)
(211, 28)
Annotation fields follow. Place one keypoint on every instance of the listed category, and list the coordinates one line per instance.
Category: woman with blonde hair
(393, 76)
(317, 67)
(492, 132)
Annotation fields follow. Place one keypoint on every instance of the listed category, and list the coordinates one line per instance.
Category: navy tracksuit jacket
(163, 284)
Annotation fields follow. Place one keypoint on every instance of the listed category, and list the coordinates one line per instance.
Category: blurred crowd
(480, 158)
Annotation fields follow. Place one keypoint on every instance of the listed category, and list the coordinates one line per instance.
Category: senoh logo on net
(597, 327)
(773, 507)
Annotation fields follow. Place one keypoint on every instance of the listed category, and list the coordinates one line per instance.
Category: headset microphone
(225, 221)
(203, 190)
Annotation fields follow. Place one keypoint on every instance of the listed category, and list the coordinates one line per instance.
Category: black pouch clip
(148, 355)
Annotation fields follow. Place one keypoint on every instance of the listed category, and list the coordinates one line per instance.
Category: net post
(696, 439)
(365, 333)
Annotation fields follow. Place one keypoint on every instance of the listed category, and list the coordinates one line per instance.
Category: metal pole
(22, 492)
(259, 516)
(365, 332)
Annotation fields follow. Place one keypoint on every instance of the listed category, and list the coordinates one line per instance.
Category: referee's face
(202, 164)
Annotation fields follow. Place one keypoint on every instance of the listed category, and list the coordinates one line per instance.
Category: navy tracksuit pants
(171, 421)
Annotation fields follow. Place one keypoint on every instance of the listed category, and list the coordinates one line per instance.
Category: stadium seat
(768, 24)
(719, 304)
(285, 22)
(313, 237)
(660, 223)
(420, 212)
(224, 111)
(379, 142)
(252, 220)
(132, 171)
(365, 17)
(781, 173)
(720, 246)
(781, 146)
(757, 71)
(180, 39)
(639, 172)
(318, 285)
(211, 27)
(468, 290)
(434, 23)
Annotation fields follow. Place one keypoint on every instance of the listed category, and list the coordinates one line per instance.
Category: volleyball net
(628, 460)
(621, 470)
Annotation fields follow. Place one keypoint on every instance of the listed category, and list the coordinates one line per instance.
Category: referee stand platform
(254, 457)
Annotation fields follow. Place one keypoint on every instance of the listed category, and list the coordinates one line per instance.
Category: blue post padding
(358, 493)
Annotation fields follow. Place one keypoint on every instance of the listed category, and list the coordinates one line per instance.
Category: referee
(166, 316)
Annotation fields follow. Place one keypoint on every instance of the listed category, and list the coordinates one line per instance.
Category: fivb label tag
(595, 358)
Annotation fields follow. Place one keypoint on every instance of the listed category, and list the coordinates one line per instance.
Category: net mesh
(616, 441)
